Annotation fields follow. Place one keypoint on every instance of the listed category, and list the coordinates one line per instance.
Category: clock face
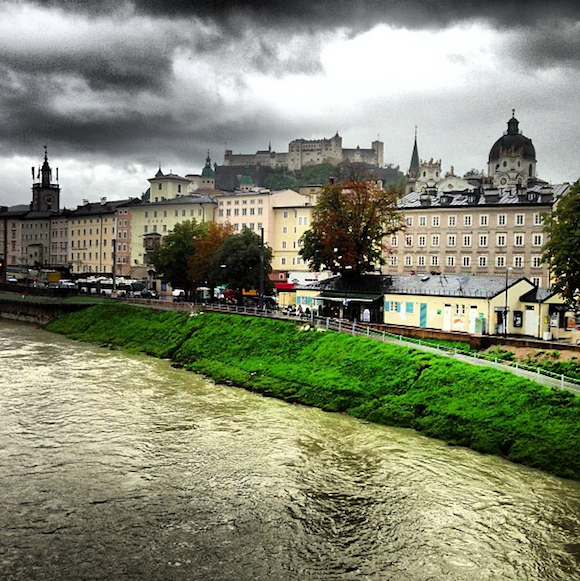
(48, 200)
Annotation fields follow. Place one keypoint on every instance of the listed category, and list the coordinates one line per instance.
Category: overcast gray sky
(113, 89)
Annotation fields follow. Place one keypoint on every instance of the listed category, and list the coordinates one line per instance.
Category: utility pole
(262, 269)
(114, 265)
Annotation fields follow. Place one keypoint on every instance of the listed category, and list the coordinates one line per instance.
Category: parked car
(11, 279)
(149, 293)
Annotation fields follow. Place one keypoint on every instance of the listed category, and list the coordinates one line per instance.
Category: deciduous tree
(351, 222)
(210, 237)
(238, 262)
(561, 251)
(170, 258)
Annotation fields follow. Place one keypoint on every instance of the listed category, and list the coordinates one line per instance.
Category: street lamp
(505, 313)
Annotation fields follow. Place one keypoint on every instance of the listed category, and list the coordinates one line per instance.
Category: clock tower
(45, 195)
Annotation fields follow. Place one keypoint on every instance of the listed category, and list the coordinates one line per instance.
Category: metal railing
(535, 373)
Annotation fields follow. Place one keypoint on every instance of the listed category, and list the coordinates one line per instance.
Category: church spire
(414, 165)
(46, 172)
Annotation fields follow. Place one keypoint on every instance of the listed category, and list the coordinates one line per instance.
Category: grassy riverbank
(488, 410)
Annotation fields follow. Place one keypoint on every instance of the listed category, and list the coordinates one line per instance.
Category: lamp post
(262, 268)
(505, 313)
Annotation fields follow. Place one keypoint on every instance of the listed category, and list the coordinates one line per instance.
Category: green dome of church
(207, 171)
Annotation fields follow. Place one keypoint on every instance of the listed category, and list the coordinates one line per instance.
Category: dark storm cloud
(230, 22)
(127, 68)
(549, 45)
(349, 13)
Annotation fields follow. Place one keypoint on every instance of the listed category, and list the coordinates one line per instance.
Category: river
(115, 466)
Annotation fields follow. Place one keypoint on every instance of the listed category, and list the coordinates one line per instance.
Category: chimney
(103, 201)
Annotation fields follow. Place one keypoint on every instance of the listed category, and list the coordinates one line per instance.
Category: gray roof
(99, 208)
(468, 285)
(167, 176)
(496, 197)
(189, 199)
(460, 286)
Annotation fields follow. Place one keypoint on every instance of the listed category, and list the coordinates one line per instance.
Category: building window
(536, 261)
(518, 239)
(420, 261)
(501, 220)
(501, 238)
(466, 261)
(434, 260)
(450, 260)
(483, 220)
(435, 221)
(452, 220)
(282, 261)
(285, 214)
(483, 240)
(394, 240)
(435, 240)
(519, 219)
(538, 219)
(393, 260)
(408, 260)
(467, 221)
(422, 240)
(409, 220)
(538, 239)
(422, 220)
(467, 240)
(451, 240)
(284, 245)
(536, 281)
(500, 261)
(408, 240)
(482, 261)
(236, 212)
(518, 261)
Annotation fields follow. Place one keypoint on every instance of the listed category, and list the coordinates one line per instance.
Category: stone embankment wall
(35, 312)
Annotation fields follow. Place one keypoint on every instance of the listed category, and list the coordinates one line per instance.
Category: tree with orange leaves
(349, 226)
(209, 239)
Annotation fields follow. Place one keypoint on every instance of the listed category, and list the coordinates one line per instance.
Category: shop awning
(284, 286)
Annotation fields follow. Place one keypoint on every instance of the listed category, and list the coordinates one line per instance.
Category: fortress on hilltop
(305, 152)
